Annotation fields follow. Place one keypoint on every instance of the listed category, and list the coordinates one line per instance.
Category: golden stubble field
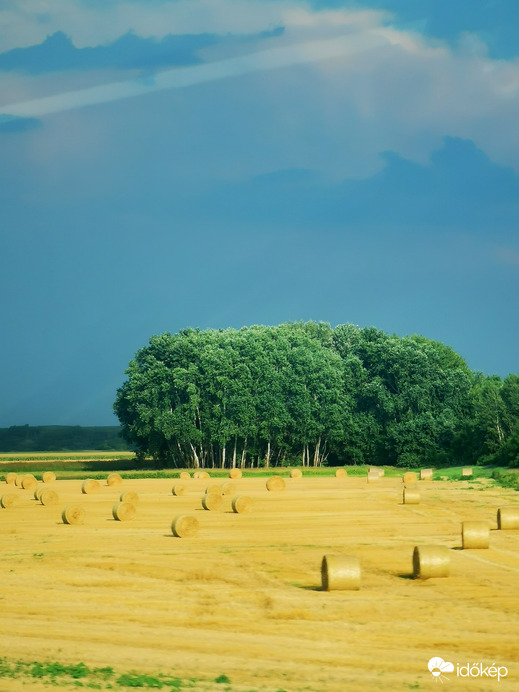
(243, 597)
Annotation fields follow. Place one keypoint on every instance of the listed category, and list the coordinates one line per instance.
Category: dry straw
(275, 483)
(340, 572)
(373, 476)
(124, 511)
(241, 504)
(228, 488)
(431, 561)
(212, 501)
(375, 469)
(341, 473)
(426, 475)
(466, 472)
(90, 486)
(409, 477)
(475, 534)
(73, 514)
(38, 491)
(235, 473)
(508, 518)
(184, 476)
(296, 473)
(48, 498)
(114, 479)
(196, 474)
(11, 478)
(179, 489)
(48, 477)
(29, 482)
(18, 481)
(185, 526)
(129, 496)
(411, 496)
(204, 474)
(8, 500)
(213, 488)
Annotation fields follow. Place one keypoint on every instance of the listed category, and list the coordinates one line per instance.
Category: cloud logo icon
(438, 667)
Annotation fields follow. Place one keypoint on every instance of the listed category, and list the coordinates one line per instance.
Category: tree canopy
(311, 394)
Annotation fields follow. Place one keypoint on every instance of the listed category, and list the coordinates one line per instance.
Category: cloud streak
(303, 53)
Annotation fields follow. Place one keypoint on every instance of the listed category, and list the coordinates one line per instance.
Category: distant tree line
(61, 438)
(304, 393)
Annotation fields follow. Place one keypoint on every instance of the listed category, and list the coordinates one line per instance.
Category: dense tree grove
(309, 394)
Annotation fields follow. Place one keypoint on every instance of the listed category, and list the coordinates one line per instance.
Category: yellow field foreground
(243, 598)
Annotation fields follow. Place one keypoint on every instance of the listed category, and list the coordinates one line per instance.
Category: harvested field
(243, 598)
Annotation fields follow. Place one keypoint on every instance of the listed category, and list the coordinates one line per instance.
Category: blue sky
(220, 163)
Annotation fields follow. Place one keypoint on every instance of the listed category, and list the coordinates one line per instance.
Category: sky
(220, 163)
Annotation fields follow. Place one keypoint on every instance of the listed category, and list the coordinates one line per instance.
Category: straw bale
(228, 488)
(90, 486)
(73, 514)
(373, 476)
(8, 500)
(411, 496)
(184, 476)
(11, 478)
(29, 482)
(214, 488)
(129, 496)
(48, 497)
(114, 479)
(48, 477)
(296, 473)
(508, 517)
(235, 473)
(124, 511)
(275, 484)
(212, 501)
(466, 472)
(185, 526)
(341, 473)
(38, 491)
(409, 477)
(431, 561)
(196, 474)
(241, 504)
(179, 489)
(340, 573)
(475, 534)
(426, 474)
(204, 474)
(18, 480)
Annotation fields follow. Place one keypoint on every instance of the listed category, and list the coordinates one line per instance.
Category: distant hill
(61, 438)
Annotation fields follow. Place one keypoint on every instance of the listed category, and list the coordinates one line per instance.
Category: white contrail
(177, 78)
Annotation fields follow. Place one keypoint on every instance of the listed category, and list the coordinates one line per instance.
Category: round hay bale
(73, 514)
(129, 496)
(114, 479)
(508, 518)
(373, 476)
(275, 484)
(18, 480)
(241, 504)
(375, 469)
(475, 534)
(212, 501)
(213, 488)
(124, 511)
(341, 473)
(29, 482)
(38, 491)
(228, 488)
(426, 474)
(48, 498)
(340, 573)
(185, 526)
(204, 474)
(179, 489)
(431, 561)
(184, 476)
(48, 477)
(466, 472)
(296, 473)
(8, 500)
(11, 478)
(235, 473)
(409, 477)
(197, 474)
(90, 486)
(411, 496)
